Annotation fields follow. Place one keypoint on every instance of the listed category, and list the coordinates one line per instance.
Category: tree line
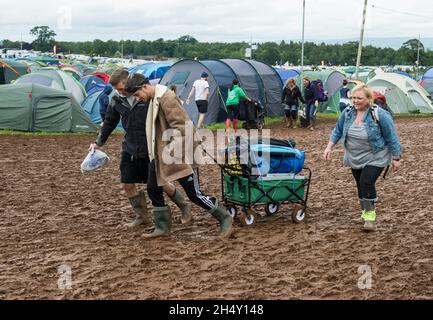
(270, 52)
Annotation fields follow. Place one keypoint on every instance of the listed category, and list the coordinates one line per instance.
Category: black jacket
(133, 122)
(310, 93)
(292, 97)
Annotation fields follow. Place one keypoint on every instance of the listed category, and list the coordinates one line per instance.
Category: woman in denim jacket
(371, 144)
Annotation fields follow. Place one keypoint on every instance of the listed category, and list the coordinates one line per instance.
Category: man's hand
(94, 146)
(316, 104)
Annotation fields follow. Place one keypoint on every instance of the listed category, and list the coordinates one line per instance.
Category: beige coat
(166, 112)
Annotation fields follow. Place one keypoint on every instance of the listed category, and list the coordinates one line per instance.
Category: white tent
(403, 94)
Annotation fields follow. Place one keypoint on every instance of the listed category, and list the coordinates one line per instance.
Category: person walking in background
(201, 90)
(311, 101)
(344, 96)
(291, 97)
(234, 96)
(371, 143)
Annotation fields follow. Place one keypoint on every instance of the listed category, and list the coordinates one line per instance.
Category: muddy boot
(184, 206)
(225, 220)
(369, 215)
(162, 220)
(294, 123)
(140, 209)
(312, 123)
(361, 204)
(289, 122)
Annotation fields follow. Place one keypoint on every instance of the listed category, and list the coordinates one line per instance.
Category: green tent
(332, 81)
(334, 101)
(11, 70)
(45, 59)
(32, 107)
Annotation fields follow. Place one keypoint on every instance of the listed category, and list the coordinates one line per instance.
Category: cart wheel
(232, 211)
(272, 209)
(298, 214)
(247, 218)
(260, 125)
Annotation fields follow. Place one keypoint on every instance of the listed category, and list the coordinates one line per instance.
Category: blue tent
(428, 74)
(405, 74)
(89, 82)
(91, 105)
(152, 70)
(285, 75)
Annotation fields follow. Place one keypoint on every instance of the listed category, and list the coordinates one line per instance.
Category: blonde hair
(367, 91)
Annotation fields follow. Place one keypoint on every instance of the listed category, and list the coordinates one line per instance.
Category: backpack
(380, 100)
(321, 95)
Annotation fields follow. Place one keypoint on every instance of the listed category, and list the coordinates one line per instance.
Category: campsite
(59, 216)
(222, 152)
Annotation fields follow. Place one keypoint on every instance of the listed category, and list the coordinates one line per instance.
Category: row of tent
(260, 81)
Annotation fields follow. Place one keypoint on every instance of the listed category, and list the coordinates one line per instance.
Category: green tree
(44, 38)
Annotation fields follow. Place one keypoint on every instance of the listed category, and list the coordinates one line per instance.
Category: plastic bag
(94, 160)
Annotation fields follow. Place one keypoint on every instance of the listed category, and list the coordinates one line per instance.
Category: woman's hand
(327, 155)
(395, 165)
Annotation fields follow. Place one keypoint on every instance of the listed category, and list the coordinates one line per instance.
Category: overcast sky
(222, 20)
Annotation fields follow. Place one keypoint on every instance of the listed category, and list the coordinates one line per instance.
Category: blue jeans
(310, 111)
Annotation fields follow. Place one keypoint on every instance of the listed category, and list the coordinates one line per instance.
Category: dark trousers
(366, 181)
(190, 184)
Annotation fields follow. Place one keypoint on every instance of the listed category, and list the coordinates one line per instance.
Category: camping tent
(259, 81)
(91, 105)
(103, 76)
(403, 94)
(88, 82)
(57, 79)
(33, 107)
(427, 84)
(286, 74)
(272, 85)
(428, 74)
(152, 70)
(33, 65)
(332, 82)
(11, 70)
(333, 104)
(45, 59)
(183, 74)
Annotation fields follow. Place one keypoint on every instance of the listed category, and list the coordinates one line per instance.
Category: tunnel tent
(248, 78)
(33, 107)
(183, 74)
(11, 70)
(333, 105)
(403, 94)
(428, 74)
(272, 85)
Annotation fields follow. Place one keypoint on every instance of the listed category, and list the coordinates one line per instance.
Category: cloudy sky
(222, 20)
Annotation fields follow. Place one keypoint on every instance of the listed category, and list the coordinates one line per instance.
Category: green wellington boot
(370, 215)
(184, 206)
(225, 220)
(162, 219)
(140, 209)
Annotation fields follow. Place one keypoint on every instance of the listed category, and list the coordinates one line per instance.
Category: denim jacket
(381, 133)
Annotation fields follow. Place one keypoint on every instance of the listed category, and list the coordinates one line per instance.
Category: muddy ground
(53, 215)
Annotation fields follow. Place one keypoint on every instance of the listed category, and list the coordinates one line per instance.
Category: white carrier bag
(94, 160)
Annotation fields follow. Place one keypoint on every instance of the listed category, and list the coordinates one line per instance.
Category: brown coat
(166, 112)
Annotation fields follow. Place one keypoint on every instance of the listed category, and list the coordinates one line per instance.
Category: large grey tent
(33, 107)
(260, 82)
